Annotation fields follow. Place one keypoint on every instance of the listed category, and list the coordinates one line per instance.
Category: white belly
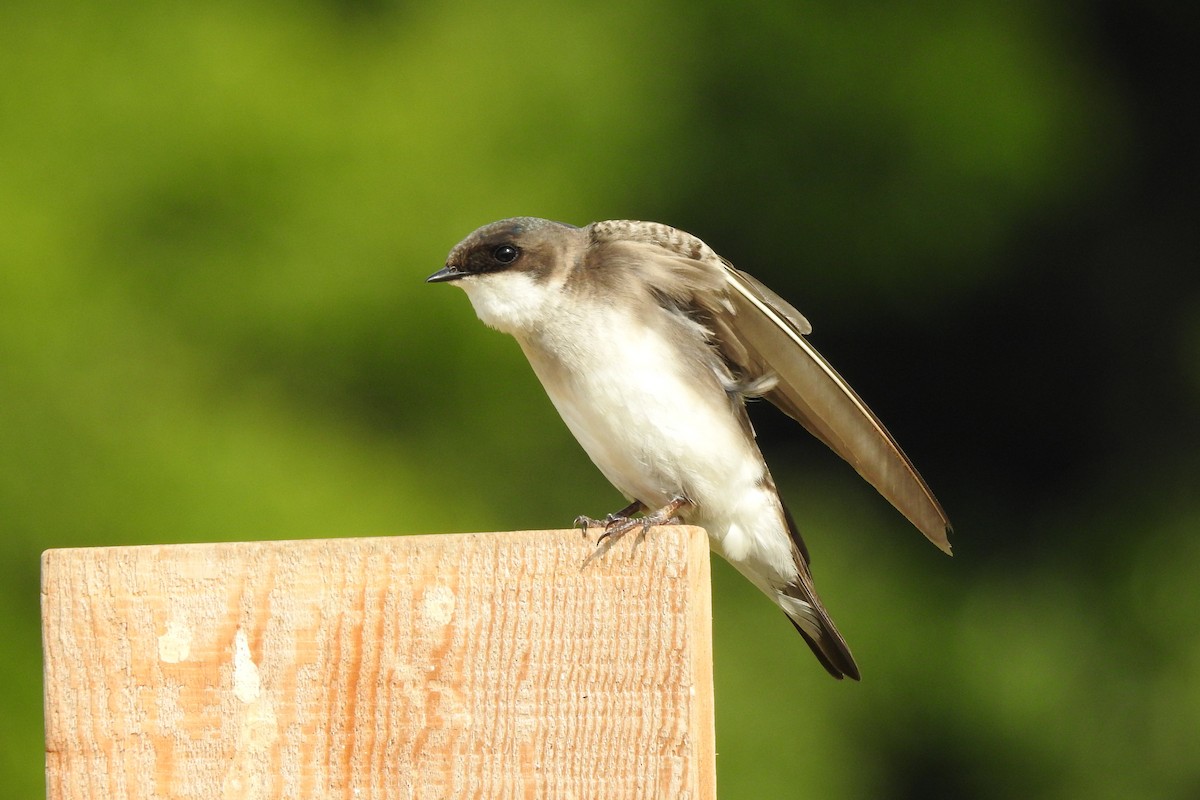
(657, 435)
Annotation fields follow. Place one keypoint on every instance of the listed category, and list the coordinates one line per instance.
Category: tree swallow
(649, 344)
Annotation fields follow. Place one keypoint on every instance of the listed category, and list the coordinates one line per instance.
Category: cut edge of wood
(704, 695)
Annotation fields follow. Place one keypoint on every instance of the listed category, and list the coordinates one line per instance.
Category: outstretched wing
(763, 338)
(770, 340)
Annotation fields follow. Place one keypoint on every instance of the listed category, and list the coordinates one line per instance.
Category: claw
(618, 524)
(618, 527)
(583, 523)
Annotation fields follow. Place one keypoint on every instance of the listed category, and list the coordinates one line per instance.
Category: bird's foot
(616, 518)
(617, 525)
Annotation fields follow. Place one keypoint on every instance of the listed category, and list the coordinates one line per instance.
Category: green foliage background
(215, 220)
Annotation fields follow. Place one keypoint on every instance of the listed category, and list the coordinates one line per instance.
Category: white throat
(512, 302)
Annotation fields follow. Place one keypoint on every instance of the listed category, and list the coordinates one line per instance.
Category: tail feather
(800, 600)
(836, 659)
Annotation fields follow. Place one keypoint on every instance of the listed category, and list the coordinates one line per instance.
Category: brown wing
(812, 392)
(762, 336)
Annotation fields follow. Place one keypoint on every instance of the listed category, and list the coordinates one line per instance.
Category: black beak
(446, 273)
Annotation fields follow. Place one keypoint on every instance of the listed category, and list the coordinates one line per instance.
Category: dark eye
(506, 254)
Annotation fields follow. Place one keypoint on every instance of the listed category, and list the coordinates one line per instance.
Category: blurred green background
(215, 223)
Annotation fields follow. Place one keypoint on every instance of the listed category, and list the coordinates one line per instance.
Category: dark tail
(830, 649)
(832, 652)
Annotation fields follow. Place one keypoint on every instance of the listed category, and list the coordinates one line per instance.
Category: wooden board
(450, 666)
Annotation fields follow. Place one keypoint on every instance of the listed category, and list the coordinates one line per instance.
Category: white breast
(656, 435)
(640, 413)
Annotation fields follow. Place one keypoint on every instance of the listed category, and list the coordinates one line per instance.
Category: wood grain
(449, 666)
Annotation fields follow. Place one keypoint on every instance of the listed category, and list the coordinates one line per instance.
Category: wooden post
(487, 665)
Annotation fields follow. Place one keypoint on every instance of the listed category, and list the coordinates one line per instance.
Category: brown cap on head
(514, 243)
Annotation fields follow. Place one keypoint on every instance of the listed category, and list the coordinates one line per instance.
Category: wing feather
(761, 336)
(811, 391)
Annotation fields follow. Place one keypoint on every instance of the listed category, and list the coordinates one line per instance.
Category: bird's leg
(619, 527)
(615, 518)
(663, 516)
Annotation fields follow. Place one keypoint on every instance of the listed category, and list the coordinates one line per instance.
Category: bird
(649, 345)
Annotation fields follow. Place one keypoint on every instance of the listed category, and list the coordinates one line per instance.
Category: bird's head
(513, 270)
